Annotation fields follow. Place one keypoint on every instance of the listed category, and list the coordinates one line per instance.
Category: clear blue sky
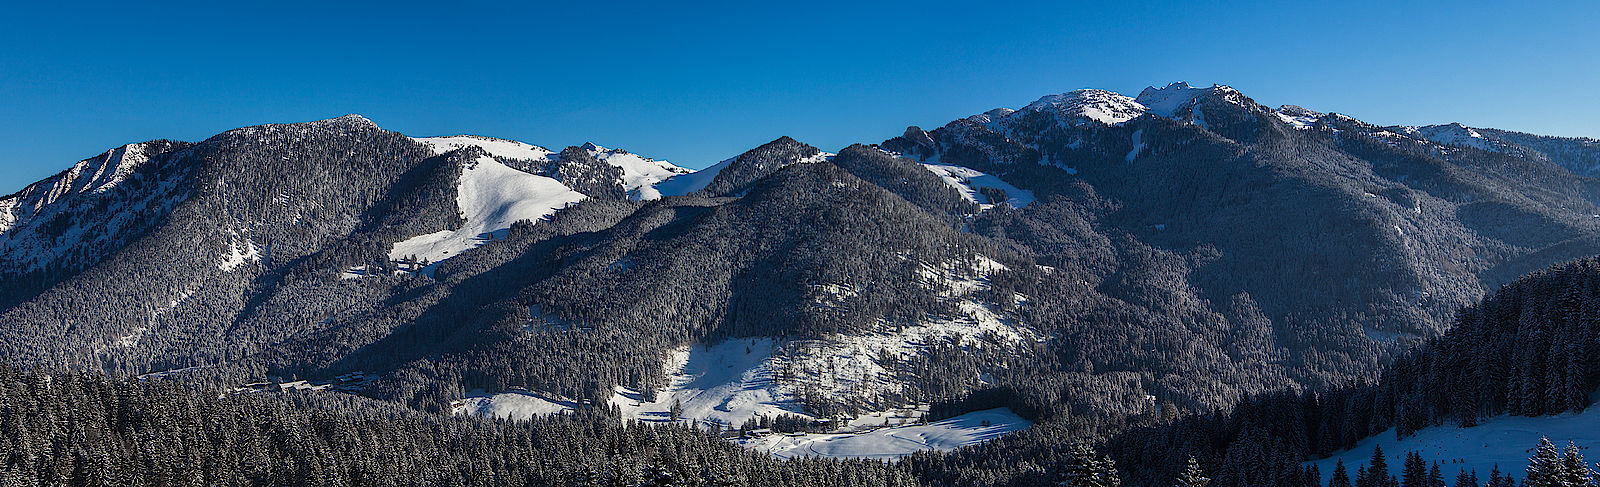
(696, 84)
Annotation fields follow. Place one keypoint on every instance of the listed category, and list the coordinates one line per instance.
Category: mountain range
(1085, 259)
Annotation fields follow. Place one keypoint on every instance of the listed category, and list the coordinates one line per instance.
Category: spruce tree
(1377, 469)
(1545, 467)
(1086, 468)
(1192, 476)
(1465, 479)
(1574, 471)
(1340, 478)
(1415, 471)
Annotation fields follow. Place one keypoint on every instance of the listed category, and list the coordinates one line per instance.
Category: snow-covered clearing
(491, 196)
(1456, 134)
(895, 441)
(970, 182)
(723, 384)
(1506, 441)
(519, 404)
(241, 249)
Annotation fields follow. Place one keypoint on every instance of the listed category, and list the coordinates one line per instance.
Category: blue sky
(698, 83)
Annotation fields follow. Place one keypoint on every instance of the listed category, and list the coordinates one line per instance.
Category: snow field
(1506, 441)
(491, 197)
(893, 442)
(970, 182)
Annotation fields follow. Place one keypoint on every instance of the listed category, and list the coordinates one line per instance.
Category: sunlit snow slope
(491, 197)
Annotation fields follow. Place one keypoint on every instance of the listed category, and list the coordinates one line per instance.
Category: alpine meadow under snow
(1183, 287)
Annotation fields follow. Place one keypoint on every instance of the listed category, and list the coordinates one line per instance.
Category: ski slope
(491, 197)
(1506, 441)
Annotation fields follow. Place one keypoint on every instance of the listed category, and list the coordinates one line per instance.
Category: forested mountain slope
(184, 254)
(1338, 236)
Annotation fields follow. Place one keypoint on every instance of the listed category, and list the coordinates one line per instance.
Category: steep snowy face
(81, 209)
(1099, 105)
(980, 188)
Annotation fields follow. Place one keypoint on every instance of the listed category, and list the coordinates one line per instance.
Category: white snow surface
(491, 196)
(640, 175)
(1175, 97)
(970, 182)
(688, 183)
(991, 116)
(1506, 441)
(1168, 100)
(724, 384)
(508, 149)
(241, 249)
(1102, 106)
(895, 441)
(1297, 117)
(517, 404)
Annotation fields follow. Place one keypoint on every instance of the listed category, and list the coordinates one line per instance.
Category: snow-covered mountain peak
(1175, 97)
(991, 116)
(1456, 134)
(1298, 111)
(352, 120)
(639, 174)
(1099, 105)
(1165, 101)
